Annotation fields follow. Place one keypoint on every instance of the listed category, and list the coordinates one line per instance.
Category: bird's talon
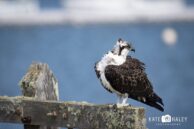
(122, 105)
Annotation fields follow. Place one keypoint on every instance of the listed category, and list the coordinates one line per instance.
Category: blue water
(71, 52)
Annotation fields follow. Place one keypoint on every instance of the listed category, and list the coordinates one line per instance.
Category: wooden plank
(70, 114)
(40, 83)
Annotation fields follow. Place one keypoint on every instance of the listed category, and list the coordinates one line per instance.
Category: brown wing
(130, 78)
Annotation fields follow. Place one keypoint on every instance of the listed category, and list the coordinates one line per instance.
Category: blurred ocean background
(72, 50)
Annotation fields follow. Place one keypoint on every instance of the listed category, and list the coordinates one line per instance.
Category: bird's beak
(133, 49)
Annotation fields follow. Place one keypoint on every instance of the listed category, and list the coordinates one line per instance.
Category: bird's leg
(122, 100)
(119, 99)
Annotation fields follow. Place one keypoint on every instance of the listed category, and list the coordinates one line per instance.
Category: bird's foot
(122, 104)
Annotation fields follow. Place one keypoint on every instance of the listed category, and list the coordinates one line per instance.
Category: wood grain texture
(40, 83)
(70, 114)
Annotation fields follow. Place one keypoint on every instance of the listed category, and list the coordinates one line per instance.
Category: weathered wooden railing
(39, 108)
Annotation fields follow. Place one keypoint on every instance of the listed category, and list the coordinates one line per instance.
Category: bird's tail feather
(155, 101)
(158, 99)
(154, 104)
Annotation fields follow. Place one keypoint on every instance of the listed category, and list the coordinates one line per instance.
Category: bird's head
(122, 48)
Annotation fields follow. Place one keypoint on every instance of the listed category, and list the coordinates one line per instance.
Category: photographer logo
(168, 120)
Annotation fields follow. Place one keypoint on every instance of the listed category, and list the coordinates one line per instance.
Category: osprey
(125, 76)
